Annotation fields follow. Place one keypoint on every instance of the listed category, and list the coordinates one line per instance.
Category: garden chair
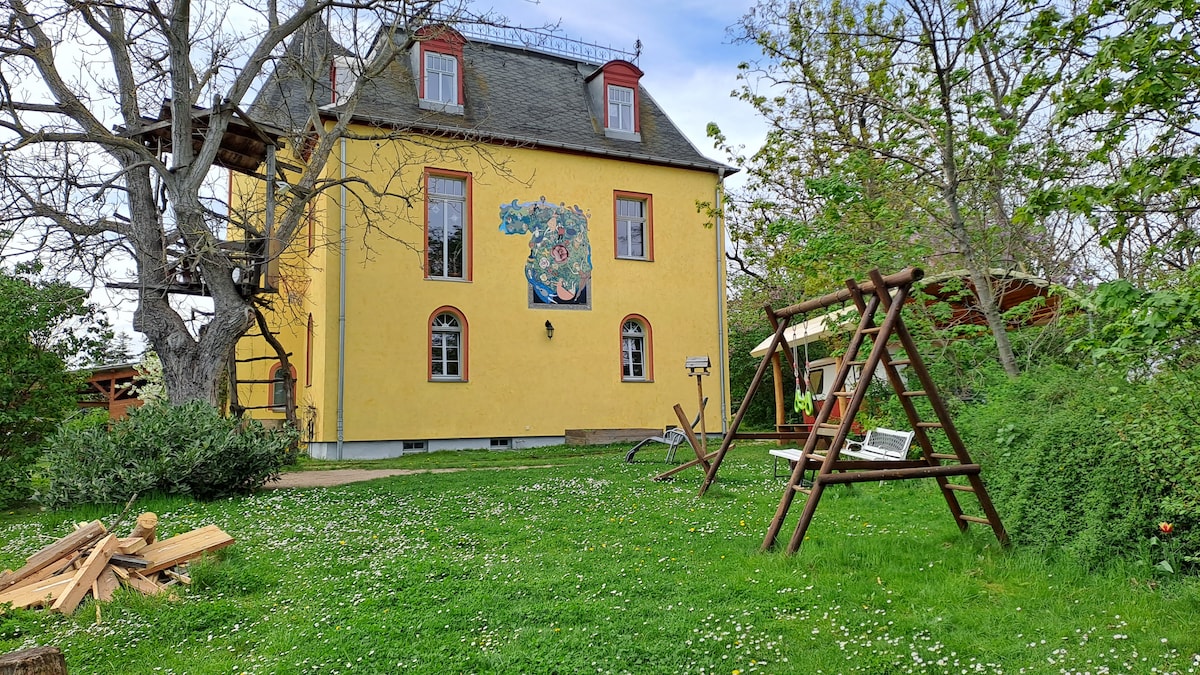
(673, 438)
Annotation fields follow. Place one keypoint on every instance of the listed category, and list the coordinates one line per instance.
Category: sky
(689, 59)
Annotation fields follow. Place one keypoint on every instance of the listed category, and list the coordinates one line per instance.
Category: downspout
(723, 358)
(341, 379)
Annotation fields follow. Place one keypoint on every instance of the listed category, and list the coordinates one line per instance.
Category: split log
(146, 527)
(36, 661)
(81, 583)
(78, 539)
(105, 584)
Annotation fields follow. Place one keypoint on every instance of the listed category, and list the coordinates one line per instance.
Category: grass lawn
(593, 568)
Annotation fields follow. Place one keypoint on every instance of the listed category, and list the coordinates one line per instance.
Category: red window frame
(647, 348)
(647, 235)
(279, 406)
(468, 233)
(440, 39)
(463, 352)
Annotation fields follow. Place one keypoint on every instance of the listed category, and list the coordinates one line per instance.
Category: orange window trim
(463, 352)
(308, 353)
(648, 235)
(469, 237)
(647, 348)
(271, 390)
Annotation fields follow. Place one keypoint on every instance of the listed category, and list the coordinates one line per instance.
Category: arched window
(283, 382)
(448, 346)
(635, 350)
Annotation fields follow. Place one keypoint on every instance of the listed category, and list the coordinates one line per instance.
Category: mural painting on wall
(559, 266)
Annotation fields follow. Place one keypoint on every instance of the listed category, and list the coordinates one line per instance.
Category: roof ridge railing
(548, 43)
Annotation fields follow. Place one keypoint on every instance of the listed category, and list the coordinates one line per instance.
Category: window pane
(623, 238)
(447, 214)
(630, 208)
(436, 244)
(636, 248)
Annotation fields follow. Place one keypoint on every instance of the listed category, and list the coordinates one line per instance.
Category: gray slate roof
(511, 95)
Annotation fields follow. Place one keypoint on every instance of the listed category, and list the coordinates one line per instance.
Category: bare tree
(117, 118)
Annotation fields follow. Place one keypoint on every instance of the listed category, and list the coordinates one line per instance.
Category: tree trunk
(36, 661)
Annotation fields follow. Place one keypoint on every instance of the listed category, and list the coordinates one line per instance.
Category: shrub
(189, 449)
(1083, 462)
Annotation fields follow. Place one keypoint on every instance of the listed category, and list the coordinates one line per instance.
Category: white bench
(881, 444)
(789, 454)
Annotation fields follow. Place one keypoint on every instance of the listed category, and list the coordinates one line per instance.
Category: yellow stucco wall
(520, 383)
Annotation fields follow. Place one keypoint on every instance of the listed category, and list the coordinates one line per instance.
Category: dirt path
(307, 479)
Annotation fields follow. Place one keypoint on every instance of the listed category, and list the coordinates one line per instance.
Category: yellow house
(553, 271)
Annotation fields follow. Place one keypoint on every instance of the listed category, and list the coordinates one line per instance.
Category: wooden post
(700, 402)
(36, 661)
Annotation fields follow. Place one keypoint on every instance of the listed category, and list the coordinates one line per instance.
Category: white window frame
(446, 79)
(626, 225)
(620, 110)
(438, 348)
(447, 201)
(633, 352)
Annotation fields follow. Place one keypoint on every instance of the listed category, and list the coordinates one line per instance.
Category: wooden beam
(900, 278)
(81, 583)
(902, 474)
(44, 591)
(184, 547)
(72, 542)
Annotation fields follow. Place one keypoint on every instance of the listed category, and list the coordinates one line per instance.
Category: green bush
(1083, 462)
(190, 450)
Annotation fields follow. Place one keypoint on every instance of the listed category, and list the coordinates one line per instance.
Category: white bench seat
(881, 444)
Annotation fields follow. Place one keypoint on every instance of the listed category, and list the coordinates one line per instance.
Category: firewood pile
(93, 561)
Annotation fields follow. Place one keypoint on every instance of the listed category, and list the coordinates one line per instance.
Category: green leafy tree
(1134, 105)
(903, 130)
(43, 326)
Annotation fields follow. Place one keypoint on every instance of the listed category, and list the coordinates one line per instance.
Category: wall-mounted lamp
(549, 330)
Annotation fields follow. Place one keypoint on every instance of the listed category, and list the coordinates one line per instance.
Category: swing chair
(880, 330)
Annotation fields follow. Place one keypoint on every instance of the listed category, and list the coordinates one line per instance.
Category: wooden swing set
(824, 440)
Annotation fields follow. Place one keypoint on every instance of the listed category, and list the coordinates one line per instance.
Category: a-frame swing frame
(885, 295)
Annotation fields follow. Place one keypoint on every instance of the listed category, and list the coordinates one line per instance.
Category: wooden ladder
(870, 299)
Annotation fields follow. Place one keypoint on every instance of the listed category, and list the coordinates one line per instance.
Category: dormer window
(437, 62)
(343, 75)
(616, 99)
(620, 108)
(441, 78)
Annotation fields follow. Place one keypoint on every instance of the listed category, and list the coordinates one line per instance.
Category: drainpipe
(722, 358)
(341, 381)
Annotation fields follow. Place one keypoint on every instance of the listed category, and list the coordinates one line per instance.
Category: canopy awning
(816, 328)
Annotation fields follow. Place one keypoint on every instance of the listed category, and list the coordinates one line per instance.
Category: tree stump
(36, 661)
